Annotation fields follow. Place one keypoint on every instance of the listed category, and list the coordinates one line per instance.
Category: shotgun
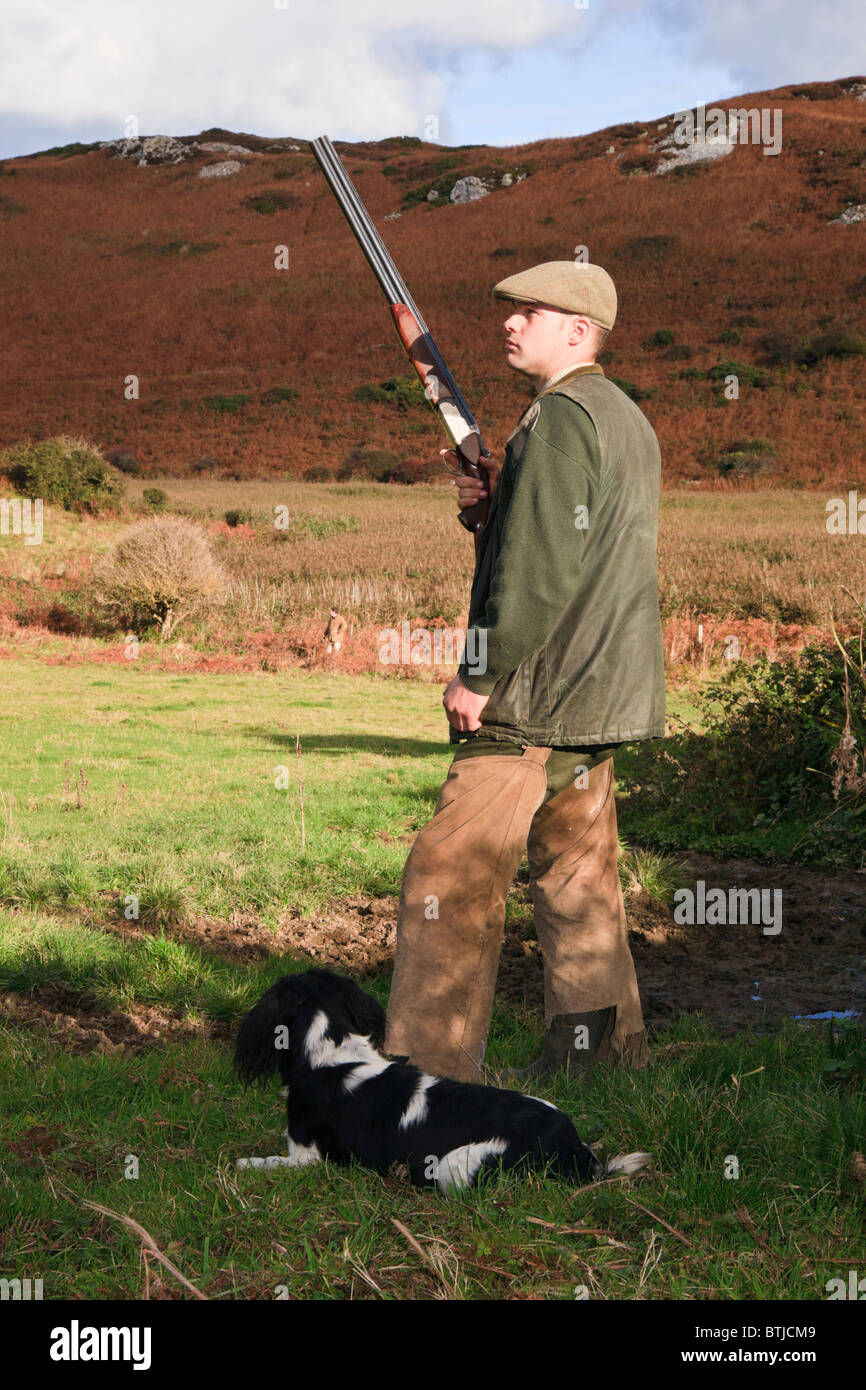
(440, 387)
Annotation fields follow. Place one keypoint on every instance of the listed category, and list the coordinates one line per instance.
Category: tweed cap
(573, 286)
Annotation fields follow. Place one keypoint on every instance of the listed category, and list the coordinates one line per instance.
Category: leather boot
(573, 1043)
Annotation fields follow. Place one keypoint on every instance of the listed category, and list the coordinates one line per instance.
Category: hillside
(113, 270)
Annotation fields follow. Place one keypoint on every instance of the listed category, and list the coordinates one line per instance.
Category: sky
(498, 72)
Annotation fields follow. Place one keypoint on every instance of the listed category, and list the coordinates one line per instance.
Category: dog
(346, 1102)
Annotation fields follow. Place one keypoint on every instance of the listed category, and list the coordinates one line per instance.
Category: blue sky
(490, 71)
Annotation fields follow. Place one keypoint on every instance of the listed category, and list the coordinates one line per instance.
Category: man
(565, 594)
(333, 633)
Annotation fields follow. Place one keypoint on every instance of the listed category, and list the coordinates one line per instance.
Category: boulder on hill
(150, 149)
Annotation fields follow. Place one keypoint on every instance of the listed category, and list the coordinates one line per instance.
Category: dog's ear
(364, 1013)
(370, 1016)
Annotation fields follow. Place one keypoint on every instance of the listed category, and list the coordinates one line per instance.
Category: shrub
(634, 393)
(124, 462)
(206, 464)
(367, 463)
(236, 517)
(402, 392)
(414, 471)
(781, 743)
(268, 202)
(729, 335)
(226, 404)
(275, 395)
(663, 337)
(836, 342)
(680, 352)
(780, 349)
(68, 471)
(318, 474)
(162, 571)
(648, 248)
(155, 499)
(748, 376)
(746, 458)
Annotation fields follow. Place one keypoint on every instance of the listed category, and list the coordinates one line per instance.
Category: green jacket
(565, 592)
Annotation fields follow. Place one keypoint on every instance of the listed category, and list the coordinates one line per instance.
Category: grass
(164, 788)
(177, 1117)
(126, 782)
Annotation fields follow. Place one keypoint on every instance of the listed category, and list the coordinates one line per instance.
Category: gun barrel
(390, 280)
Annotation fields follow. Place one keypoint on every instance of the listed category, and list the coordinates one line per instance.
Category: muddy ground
(816, 962)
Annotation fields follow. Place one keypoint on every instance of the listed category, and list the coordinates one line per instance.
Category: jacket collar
(581, 369)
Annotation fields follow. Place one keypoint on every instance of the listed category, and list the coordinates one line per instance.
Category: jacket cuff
(479, 685)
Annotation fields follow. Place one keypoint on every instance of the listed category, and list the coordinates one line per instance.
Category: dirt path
(816, 962)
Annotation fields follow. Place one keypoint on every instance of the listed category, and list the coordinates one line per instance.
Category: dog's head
(296, 1014)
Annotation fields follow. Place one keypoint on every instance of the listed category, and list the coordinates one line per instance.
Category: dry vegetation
(172, 279)
(758, 565)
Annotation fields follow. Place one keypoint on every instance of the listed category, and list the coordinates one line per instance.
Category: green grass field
(123, 783)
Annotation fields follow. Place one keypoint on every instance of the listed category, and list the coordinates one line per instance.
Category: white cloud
(356, 70)
(764, 43)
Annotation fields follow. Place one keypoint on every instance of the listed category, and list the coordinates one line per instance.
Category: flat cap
(573, 286)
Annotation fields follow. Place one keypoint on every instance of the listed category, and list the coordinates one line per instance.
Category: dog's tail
(623, 1165)
(261, 1048)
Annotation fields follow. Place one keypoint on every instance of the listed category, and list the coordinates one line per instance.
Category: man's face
(542, 340)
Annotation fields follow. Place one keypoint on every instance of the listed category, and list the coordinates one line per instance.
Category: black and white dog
(346, 1102)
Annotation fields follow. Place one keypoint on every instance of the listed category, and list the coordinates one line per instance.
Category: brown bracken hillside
(113, 270)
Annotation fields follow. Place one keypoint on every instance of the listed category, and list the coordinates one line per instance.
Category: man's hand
(462, 706)
(470, 490)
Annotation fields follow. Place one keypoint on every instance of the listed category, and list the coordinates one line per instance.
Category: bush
(272, 200)
(276, 395)
(836, 342)
(226, 404)
(68, 471)
(236, 517)
(367, 463)
(415, 471)
(318, 474)
(124, 462)
(747, 376)
(775, 749)
(648, 248)
(634, 393)
(162, 571)
(680, 352)
(663, 337)
(155, 499)
(730, 336)
(402, 392)
(746, 458)
(784, 349)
